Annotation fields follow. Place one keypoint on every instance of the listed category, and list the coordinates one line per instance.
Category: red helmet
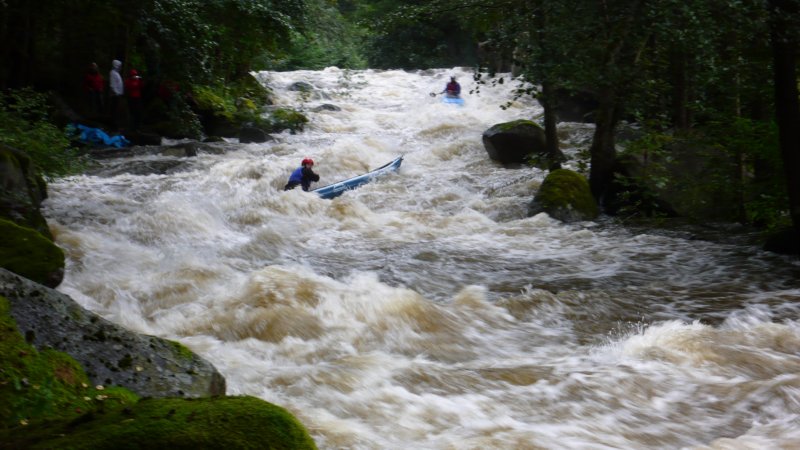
(307, 161)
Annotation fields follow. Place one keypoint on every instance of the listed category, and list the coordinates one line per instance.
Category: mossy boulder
(47, 401)
(515, 142)
(38, 386)
(284, 118)
(564, 195)
(26, 252)
(224, 423)
(22, 190)
(111, 355)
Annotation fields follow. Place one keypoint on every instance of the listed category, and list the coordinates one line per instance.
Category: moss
(221, 422)
(507, 126)
(37, 387)
(27, 253)
(182, 350)
(567, 190)
(288, 119)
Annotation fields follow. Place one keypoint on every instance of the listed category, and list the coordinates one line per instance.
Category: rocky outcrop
(248, 135)
(326, 107)
(564, 195)
(111, 355)
(48, 402)
(26, 252)
(22, 190)
(514, 142)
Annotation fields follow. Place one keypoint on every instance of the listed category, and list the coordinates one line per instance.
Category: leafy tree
(415, 34)
(330, 38)
(24, 124)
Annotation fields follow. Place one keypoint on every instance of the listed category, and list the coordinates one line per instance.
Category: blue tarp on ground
(97, 136)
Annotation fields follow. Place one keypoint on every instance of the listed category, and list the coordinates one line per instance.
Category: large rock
(565, 195)
(513, 142)
(46, 401)
(111, 355)
(174, 423)
(22, 190)
(255, 135)
(26, 252)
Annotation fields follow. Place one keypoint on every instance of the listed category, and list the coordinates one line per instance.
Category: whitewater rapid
(426, 310)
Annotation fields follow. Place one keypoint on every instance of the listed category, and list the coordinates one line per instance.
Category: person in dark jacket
(303, 176)
(453, 89)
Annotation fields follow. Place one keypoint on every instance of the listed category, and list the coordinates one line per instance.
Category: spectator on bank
(116, 90)
(93, 85)
(133, 90)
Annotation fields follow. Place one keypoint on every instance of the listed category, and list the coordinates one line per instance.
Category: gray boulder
(513, 142)
(326, 107)
(111, 355)
(253, 135)
(301, 86)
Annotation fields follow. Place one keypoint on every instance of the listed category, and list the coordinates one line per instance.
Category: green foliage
(760, 180)
(217, 99)
(25, 125)
(413, 34)
(27, 253)
(190, 41)
(330, 39)
(183, 121)
(726, 170)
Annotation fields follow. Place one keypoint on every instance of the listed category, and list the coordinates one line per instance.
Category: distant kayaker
(303, 176)
(453, 89)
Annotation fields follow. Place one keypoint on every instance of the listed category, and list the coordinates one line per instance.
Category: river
(425, 310)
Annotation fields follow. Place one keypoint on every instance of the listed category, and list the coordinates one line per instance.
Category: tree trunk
(680, 90)
(787, 105)
(548, 101)
(603, 150)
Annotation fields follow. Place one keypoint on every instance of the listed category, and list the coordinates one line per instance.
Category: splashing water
(425, 309)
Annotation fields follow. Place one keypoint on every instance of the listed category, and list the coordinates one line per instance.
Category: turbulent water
(425, 310)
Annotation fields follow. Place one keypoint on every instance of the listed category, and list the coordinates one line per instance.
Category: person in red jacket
(133, 89)
(94, 86)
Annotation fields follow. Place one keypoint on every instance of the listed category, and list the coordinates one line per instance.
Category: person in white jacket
(116, 90)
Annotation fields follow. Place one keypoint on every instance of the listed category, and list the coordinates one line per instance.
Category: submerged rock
(111, 355)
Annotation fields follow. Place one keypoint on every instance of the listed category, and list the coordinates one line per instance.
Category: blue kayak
(453, 100)
(337, 189)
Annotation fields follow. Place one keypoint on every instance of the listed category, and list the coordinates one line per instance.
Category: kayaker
(452, 88)
(303, 176)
